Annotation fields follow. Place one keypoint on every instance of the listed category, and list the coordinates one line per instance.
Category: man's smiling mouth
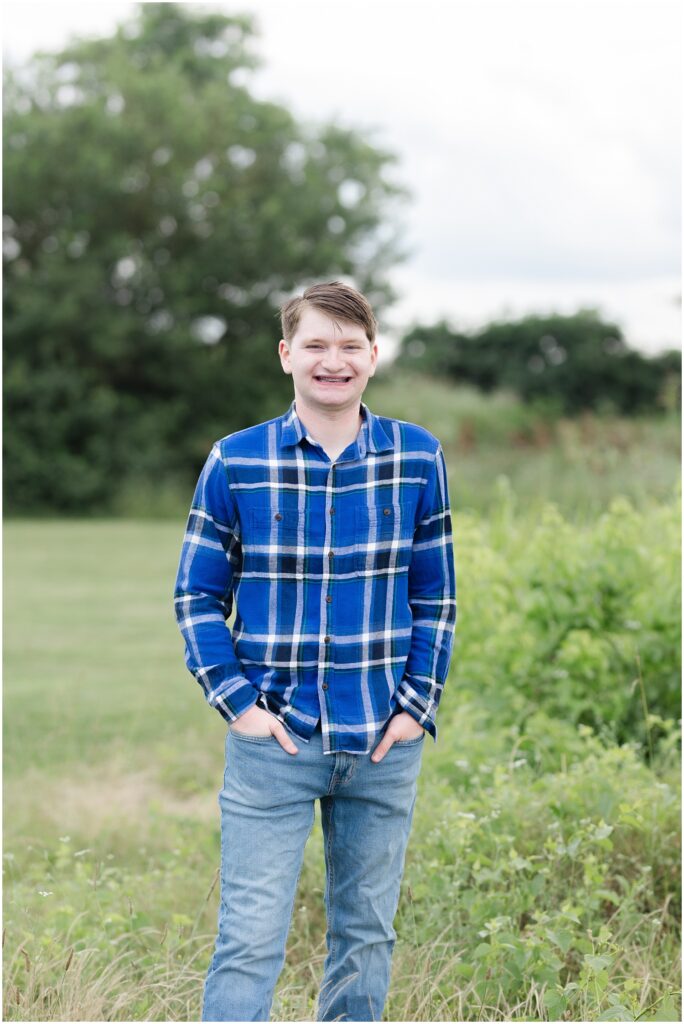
(333, 380)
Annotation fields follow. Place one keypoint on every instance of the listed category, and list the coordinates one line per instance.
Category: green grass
(92, 662)
(543, 873)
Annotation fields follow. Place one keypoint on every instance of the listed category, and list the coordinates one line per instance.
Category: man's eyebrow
(323, 341)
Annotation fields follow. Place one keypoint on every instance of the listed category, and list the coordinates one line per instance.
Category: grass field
(543, 874)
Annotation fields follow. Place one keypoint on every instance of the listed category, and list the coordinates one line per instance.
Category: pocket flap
(286, 520)
(384, 517)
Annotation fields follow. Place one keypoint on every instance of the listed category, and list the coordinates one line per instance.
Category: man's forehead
(317, 326)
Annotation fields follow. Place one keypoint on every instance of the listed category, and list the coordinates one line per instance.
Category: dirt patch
(99, 802)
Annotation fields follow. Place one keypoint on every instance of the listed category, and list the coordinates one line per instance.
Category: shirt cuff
(418, 707)
(235, 697)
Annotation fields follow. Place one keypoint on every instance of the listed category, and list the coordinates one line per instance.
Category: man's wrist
(415, 705)
(240, 700)
(245, 711)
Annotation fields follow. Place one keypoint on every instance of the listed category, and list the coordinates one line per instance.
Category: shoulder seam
(217, 446)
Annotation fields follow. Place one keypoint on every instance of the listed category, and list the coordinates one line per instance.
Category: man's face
(330, 361)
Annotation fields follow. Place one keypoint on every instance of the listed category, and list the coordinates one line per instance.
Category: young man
(331, 528)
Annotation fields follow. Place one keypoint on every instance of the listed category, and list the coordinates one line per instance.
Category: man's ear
(284, 353)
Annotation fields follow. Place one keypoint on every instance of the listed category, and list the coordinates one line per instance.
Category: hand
(257, 722)
(401, 727)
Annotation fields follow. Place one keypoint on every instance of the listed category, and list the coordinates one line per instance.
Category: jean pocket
(408, 743)
(250, 738)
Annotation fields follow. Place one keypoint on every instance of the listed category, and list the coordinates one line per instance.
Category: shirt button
(387, 511)
(330, 554)
(328, 599)
(326, 639)
(332, 511)
(324, 686)
(278, 516)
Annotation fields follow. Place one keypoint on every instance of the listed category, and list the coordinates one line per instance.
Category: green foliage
(581, 622)
(555, 893)
(156, 216)
(543, 877)
(546, 883)
(561, 363)
(106, 929)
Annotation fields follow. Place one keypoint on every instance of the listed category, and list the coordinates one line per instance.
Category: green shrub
(582, 622)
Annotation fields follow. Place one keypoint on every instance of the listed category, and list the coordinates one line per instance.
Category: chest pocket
(277, 526)
(384, 537)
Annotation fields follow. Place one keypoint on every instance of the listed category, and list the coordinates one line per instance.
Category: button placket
(331, 555)
(327, 583)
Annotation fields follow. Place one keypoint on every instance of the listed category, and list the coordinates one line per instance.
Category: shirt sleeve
(432, 597)
(203, 598)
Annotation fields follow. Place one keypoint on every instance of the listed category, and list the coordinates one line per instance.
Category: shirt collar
(372, 436)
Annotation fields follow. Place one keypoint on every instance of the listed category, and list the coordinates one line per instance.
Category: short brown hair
(336, 300)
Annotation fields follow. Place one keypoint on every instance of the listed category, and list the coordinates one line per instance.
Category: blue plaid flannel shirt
(342, 575)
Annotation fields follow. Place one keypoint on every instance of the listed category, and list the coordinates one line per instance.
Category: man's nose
(332, 361)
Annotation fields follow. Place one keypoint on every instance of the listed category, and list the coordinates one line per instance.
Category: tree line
(570, 363)
(156, 215)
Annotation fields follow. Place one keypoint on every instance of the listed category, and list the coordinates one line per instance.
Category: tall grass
(579, 463)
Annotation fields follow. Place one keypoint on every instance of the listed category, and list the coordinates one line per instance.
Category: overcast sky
(541, 141)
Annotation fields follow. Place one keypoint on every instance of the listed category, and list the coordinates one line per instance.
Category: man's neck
(334, 429)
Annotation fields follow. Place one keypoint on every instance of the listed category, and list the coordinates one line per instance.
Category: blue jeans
(267, 813)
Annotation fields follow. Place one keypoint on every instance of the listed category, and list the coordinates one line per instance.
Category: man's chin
(324, 398)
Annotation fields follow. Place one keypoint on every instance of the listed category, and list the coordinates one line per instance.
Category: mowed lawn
(95, 687)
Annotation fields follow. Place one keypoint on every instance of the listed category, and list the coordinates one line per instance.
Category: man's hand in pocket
(257, 722)
(401, 727)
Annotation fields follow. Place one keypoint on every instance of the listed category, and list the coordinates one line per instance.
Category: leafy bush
(582, 622)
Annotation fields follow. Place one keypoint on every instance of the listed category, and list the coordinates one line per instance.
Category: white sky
(541, 141)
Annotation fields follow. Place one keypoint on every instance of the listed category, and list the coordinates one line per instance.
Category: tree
(156, 214)
(578, 362)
